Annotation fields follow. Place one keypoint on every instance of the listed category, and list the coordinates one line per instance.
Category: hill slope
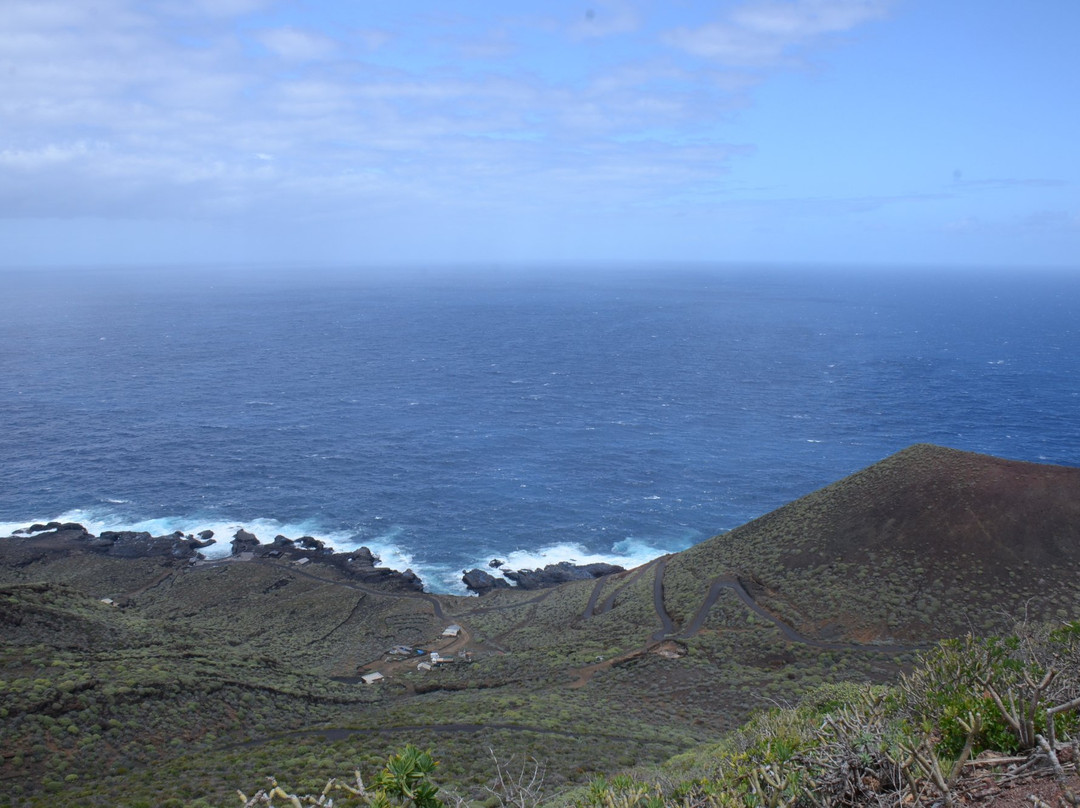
(211, 673)
(927, 543)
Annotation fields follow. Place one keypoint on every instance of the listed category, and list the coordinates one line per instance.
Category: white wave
(388, 545)
(9, 528)
(628, 553)
(100, 519)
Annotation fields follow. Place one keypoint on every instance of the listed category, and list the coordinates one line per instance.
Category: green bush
(1009, 682)
(404, 781)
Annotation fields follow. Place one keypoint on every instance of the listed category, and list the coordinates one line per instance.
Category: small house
(424, 666)
(451, 631)
(372, 678)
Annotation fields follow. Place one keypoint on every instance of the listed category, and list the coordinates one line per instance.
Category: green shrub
(1010, 683)
(405, 780)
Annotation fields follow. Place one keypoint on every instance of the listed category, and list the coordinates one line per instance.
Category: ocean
(446, 417)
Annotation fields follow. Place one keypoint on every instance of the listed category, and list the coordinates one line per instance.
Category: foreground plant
(1019, 686)
(404, 781)
(847, 746)
(1015, 700)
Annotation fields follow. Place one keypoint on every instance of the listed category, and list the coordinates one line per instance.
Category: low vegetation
(973, 717)
(151, 682)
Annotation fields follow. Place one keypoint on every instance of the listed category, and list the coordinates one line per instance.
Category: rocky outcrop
(244, 542)
(131, 544)
(56, 538)
(360, 565)
(555, 574)
(69, 530)
(311, 543)
(363, 557)
(481, 582)
(55, 527)
(409, 580)
(140, 544)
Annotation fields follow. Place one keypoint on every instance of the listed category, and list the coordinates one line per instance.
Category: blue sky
(822, 131)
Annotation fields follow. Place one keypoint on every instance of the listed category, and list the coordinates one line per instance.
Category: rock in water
(555, 574)
(363, 557)
(244, 542)
(311, 543)
(481, 582)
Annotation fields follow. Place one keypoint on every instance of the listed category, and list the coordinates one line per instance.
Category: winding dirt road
(667, 630)
(729, 582)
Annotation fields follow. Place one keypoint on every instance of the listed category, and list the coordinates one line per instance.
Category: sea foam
(384, 546)
(628, 553)
(387, 546)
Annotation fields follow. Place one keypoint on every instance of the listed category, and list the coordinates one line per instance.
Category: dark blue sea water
(443, 418)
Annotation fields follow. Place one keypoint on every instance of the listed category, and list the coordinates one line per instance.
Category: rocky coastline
(481, 582)
(53, 538)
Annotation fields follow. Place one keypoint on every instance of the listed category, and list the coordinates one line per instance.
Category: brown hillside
(928, 542)
(937, 503)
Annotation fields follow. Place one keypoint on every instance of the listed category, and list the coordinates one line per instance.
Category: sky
(144, 132)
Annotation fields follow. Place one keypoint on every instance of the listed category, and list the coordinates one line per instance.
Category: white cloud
(999, 183)
(1043, 222)
(42, 157)
(761, 34)
(50, 15)
(297, 45)
(807, 18)
(372, 38)
(131, 115)
(212, 8)
(495, 45)
(1052, 220)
